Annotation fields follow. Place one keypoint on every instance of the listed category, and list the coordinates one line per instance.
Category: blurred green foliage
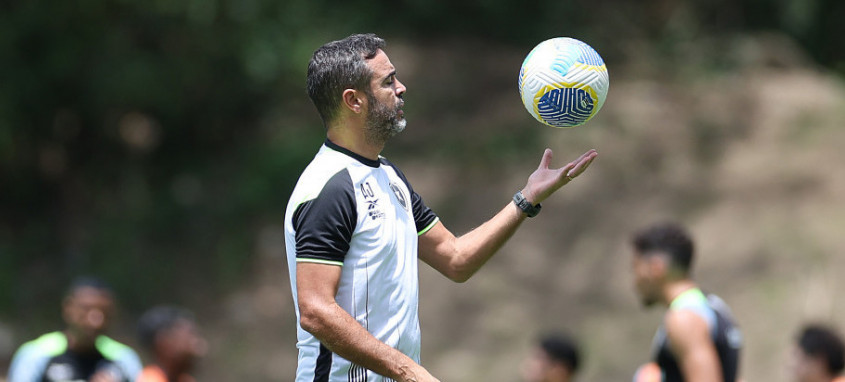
(148, 141)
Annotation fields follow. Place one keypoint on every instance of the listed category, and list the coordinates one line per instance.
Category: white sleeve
(27, 365)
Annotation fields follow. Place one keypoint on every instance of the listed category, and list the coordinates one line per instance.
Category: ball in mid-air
(563, 82)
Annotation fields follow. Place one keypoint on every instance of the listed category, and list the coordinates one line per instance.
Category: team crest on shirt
(400, 196)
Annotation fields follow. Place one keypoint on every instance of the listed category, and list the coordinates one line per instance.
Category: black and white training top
(362, 215)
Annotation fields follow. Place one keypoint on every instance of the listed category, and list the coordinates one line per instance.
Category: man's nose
(400, 88)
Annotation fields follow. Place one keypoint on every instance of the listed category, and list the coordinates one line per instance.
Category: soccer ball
(563, 82)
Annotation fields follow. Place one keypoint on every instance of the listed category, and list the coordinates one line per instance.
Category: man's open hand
(545, 180)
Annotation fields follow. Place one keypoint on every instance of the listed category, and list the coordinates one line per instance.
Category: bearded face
(384, 120)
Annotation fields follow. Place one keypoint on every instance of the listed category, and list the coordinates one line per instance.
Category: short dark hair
(88, 282)
(561, 348)
(337, 66)
(669, 238)
(157, 320)
(822, 341)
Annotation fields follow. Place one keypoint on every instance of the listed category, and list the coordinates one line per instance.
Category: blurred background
(155, 144)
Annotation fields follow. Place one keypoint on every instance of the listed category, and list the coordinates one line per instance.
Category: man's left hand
(545, 181)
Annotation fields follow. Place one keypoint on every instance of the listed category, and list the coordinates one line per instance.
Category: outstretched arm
(321, 316)
(458, 258)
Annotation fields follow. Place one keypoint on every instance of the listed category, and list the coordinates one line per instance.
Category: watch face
(525, 205)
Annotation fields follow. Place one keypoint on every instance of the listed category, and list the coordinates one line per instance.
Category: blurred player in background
(554, 358)
(82, 351)
(355, 230)
(171, 336)
(819, 355)
(698, 341)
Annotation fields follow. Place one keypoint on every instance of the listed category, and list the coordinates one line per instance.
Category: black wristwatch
(526, 206)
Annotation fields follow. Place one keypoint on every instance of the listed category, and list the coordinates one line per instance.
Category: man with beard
(355, 229)
(698, 340)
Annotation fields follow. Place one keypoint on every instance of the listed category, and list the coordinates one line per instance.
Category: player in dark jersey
(698, 340)
(81, 352)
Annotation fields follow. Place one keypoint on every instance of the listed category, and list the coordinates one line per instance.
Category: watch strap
(530, 209)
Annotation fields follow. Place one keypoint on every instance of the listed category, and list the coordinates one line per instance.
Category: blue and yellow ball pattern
(563, 82)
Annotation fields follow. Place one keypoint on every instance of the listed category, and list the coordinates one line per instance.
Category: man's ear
(353, 101)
